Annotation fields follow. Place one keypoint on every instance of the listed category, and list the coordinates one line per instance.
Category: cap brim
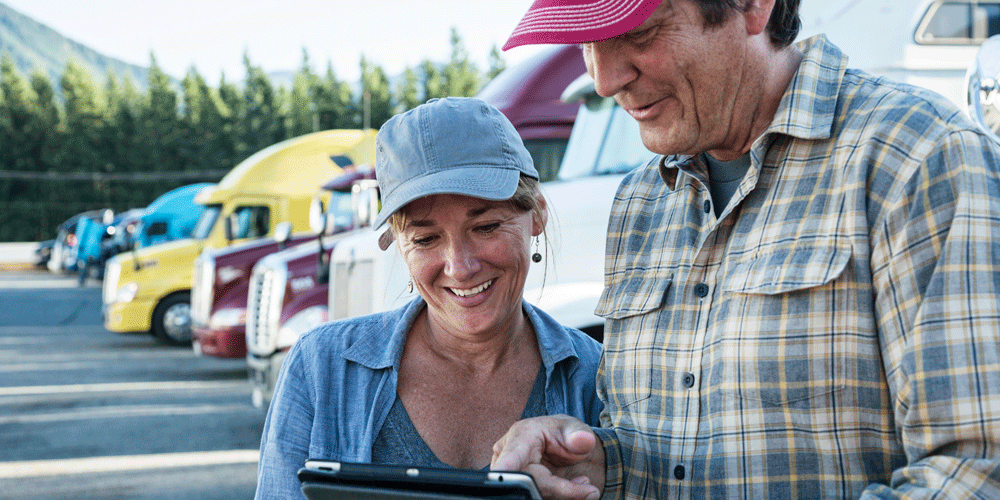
(486, 182)
(554, 22)
(386, 239)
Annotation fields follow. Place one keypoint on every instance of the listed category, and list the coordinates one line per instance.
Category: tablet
(326, 480)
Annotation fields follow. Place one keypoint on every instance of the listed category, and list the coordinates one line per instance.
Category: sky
(213, 35)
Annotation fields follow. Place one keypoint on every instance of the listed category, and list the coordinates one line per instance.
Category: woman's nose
(461, 261)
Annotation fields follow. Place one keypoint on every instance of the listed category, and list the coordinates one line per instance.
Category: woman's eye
(488, 228)
(426, 240)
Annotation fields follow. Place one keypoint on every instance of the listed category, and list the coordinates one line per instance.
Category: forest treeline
(85, 143)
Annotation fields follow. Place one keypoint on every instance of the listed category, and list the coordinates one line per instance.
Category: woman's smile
(469, 292)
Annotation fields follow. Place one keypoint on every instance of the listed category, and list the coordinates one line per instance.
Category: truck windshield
(206, 222)
(341, 210)
(605, 140)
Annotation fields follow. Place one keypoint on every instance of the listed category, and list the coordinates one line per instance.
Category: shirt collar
(806, 110)
(383, 347)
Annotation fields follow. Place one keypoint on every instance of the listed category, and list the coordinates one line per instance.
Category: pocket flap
(789, 269)
(638, 293)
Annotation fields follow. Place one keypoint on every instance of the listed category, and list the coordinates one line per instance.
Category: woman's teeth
(472, 291)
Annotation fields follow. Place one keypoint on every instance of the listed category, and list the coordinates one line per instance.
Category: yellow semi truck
(149, 289)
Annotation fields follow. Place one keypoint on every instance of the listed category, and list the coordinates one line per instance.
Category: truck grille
(351, 289)
(201, 290)
(264, 302)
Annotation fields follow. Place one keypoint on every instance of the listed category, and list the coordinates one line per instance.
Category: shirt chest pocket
(634, 341)
(790, 320)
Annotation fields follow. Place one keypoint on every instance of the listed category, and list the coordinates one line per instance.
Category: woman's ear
(541, 216)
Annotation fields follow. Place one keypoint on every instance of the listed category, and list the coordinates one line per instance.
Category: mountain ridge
(31, 44)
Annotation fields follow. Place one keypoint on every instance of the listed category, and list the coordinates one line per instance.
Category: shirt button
(689, 380)
(708, 206)
(701, 289)
(679, 472)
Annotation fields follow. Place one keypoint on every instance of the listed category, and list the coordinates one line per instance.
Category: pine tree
(333, 102)
(461, 78)
(259, 127)
(434, 84)
(375, 84)
(160, 125)
(497, 64)
(234, 109)
(303, 112)
(407, 95)
(84, 104)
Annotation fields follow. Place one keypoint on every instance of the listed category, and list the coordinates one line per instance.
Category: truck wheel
(172, 319)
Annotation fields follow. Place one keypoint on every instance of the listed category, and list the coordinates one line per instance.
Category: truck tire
(172, 319)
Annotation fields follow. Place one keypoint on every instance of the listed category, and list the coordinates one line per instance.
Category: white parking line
(125, 412)
(91, 465)
(120, 387)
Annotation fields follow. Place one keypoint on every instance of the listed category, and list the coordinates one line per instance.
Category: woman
(438, 381)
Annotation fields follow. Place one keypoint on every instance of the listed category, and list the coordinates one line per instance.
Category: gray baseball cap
(454, 145)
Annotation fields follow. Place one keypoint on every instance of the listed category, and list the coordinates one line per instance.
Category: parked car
(43, 252)
(63, 258)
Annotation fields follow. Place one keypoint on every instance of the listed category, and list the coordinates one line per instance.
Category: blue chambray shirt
(339, 381)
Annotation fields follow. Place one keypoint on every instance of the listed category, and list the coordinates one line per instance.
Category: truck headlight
(228, 318)
(127, 292)
(300, 323)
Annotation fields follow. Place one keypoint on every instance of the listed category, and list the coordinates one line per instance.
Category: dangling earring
(536, 257)
(409, 286)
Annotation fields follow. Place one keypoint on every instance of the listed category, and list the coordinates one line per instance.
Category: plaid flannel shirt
(836, 332)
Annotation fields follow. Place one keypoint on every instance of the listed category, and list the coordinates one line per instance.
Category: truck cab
(288, 290)
(928, 43)
(172, 216)
(222, 275)
(148, 289)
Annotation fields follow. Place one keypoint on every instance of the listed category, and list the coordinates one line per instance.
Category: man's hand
(561, 453)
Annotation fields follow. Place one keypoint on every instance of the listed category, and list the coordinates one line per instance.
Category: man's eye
(640, 37)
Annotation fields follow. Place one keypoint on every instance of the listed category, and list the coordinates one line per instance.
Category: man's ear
(757, 15)
(541, 216)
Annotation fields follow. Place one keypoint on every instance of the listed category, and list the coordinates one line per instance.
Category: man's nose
(608, 64)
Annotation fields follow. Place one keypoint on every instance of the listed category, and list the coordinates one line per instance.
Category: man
(801, 296)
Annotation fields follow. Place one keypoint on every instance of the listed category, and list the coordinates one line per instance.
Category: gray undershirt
(399, 443)
(723, 179)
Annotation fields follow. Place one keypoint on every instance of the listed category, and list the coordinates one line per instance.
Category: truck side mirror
(317, 219)
(365, 197)
(282, 232)
(983, 86)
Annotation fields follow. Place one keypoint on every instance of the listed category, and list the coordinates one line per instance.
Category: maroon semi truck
(289, 288)
(222, 276)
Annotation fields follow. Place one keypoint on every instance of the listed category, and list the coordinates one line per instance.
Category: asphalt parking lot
(90, 414)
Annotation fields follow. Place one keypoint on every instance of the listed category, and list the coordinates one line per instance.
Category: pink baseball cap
(578, 21)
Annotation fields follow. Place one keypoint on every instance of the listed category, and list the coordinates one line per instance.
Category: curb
(16, 266)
